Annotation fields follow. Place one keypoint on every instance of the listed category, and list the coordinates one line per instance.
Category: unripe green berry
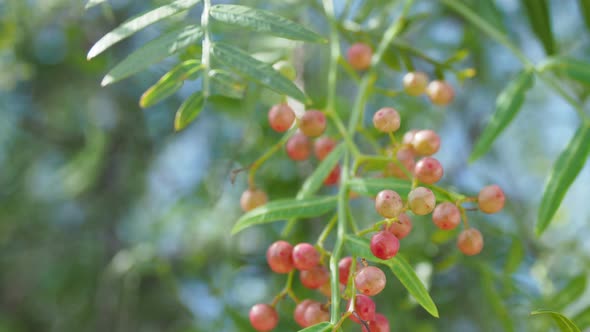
(421, 201)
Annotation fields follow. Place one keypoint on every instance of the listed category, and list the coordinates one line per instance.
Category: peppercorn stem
(273, 149)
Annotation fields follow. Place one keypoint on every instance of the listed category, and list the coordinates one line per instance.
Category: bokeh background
(110, 221)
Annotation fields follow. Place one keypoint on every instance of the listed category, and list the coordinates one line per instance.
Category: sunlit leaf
(285, 209)
(508, 104)
(263, 21)
(153, 52)
(540, 21)
(568, 294)
(567, 167)
(258, 71)
(137, 23)
(92, 3)
(189, 110)
(359, 246)
(564, 323)
(582, 318)
(170, 83)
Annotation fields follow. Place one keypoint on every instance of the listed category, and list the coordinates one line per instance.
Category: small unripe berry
(379, 324)
(263, 317)
(415, 83)
(281, 117)
(386, 120)
(323, 146)
(315, 277)
(364, 307)
(421, 201)
(384, 245)
(406, 157)
(298, 147)
(470, 242)
(315, 314)
(446, 216)
(305, 256)
(333, 177)
(344, 269)
(426, 142)
(359, 56)
(252, 198)
(388, 204)
(370, 280)
(428, 170)
(312, 123)
(279, 257)
(286, 69)
(491, 199)
(402, 227)
(299, 312)
(440, 93)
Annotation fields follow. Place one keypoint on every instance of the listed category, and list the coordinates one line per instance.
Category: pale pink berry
(370, 280)
(279, 257)
(315, 313)
(491, 199)
(252, 198)
(344, 269)
(421, 201)
(379, 324)
(359, 56)
(263, 317)
(440, 92)
(470, 242)
(388, 203)
(402, 227)
(305, 256)
(384, 245)
(428, 170)
(312, 123)
(364, 307)
(323, 146)
(299, 312)
(446, 216)
(315, 277)
(409, 137)
(406, 158)
(386, 120)
(415, 83)
(426, 142)
(281, 117)
(298, 147)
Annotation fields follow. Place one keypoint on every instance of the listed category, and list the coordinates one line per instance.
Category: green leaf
(574, 69)
(582, 318)
(569, 163)
(92, 3)
(321, 327)
(492, 296)
(568, 294)
(263, 21)
(515, 257)
(540, 21)
(315, 181)
(508, 105)
(225, 84)
(153, 52)
(585, 9)
(359, 246)
(170, 83)
(563, 322)
(188, 111)
(372, 186)
(285, 209)
(258, 71)
(137, 23)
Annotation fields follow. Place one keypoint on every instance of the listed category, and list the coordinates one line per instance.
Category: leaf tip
(107, 80)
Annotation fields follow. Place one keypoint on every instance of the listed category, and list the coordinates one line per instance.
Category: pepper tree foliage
(227, 73)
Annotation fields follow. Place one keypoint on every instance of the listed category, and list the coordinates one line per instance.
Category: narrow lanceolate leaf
(153, 52)
(494, 299)
(372, 186)
(314, 182)
(258, 71)
(569, 163)
(568, 294)
(540, 21)
(564, 323)
(188, 111)
(263, 21)
(92, 3)
(321, 327)
(170, 83)
(515, 257)
(585, 10)
(137, 23)
(508, 105)
(359, 246)
(582, 318)
(574, 69)
(285, 209)
(227, 85)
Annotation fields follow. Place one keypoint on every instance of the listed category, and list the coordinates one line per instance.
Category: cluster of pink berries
(415, 83)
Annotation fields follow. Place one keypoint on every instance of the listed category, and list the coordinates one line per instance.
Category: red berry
(384, 245)
(406, 157)
(359, 56)
(344, 269)
(426, 142)
(315, 277)
(298, 147)
(428, 170)
(388, 204)
(333, 177)
(491, 199)
(386, 120)
(252, 198)
(370, 280)
(281, 117)
(446, 216)
(415, 83)
(470, 242)
(402, 227)
(421, 201)
(263, 317)
(312, 123)
(440, 92)
(379, 324)
(299, 313)
(305, 256)
(315, 314)
(279, 257)
(364, 307)
(323, 146)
